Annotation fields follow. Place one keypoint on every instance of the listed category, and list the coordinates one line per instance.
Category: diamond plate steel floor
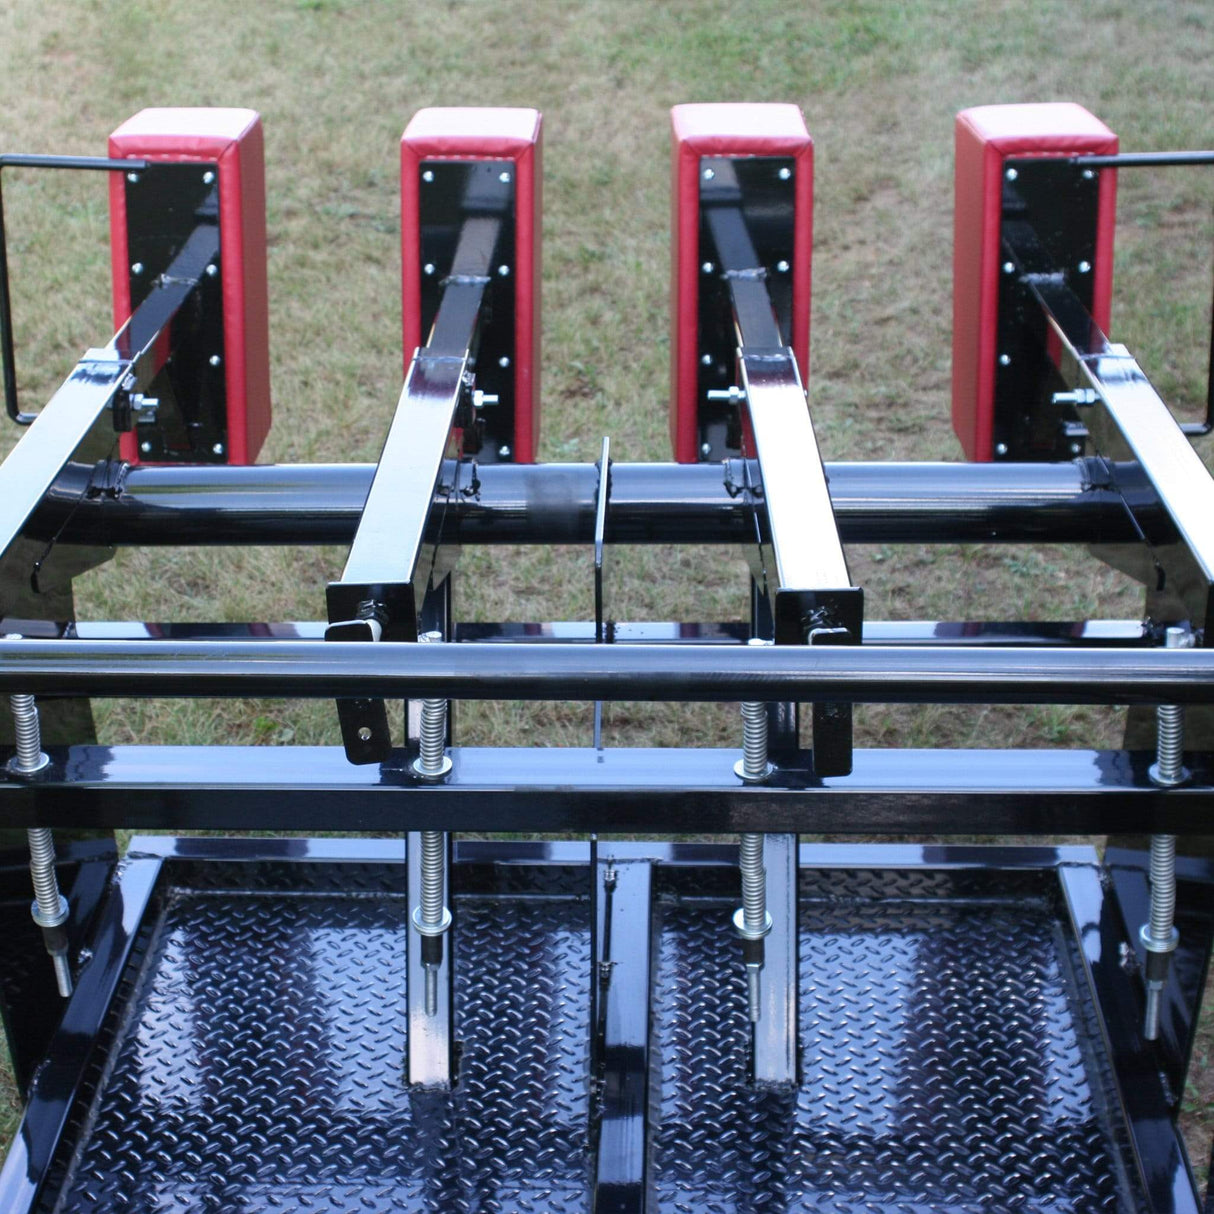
(945, 1058)
(260, 1067)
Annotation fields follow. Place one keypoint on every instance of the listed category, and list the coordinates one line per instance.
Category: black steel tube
(1144, 160)
(398, 670)
(555, 504)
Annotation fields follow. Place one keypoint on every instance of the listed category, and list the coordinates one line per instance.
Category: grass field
(879, 84)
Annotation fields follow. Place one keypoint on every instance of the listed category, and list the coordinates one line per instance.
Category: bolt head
(504, 178)
(1011, 174)
(428, 268)
(364, 733)
(145, 447)
(706, 449)
(1076, 448)
(706, 360)
(427, 175)
(136, 268)
(708, 267)
(504, 361)
(1005, 360)
(212, 270)
(785, 173)
(214, 360)
(1001, 448)
(782, 266)
(1085, 267)
(503, 452)
(1008, 268)
(709, 174)
(1088, 174)
(503, 271)
(217, 449)
(132, 178)
(208, 177)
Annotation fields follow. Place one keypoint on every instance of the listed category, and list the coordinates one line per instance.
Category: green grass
(879, 83)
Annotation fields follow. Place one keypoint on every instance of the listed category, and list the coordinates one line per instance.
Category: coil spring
(1163, 887)
(754, 882)
(432, 878)
(1169, 743)
(29, 732)
(42, 872)
(754, 740)
(433, 735)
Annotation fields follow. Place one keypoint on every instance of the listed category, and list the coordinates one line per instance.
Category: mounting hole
(364, 733)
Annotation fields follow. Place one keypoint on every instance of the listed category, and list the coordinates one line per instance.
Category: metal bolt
(29, 757)
(1009, 267)
(428, 268)
(1005, 360)
(427, 175)
(1001, 448)
(1168, 770)
(1088, 174)
(785, 173)
(709, 174)
(708, 267)
(782, 266)
(504, 178)
(136, 268)
(504, 361)
(217, 449)
(1085, 267)
(132, 178)
(208, 177)
(214, 360)
(145, 447)
(1011, 174)
(1076, 448)
(503, 452)
(705, 450)
(706, 360)
(503, 271)
(212, 270)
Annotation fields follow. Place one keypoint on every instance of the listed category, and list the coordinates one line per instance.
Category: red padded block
(985, 137)
(488, 133)
(733, 130)
(231, 139)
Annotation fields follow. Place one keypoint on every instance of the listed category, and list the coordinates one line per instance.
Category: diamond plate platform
(949, 1061)
(260, 1065)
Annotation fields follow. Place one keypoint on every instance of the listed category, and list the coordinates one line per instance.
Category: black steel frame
(405, 519)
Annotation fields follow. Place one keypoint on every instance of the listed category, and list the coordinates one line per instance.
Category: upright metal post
(50, 908)
(430, 963)
(1159, 935)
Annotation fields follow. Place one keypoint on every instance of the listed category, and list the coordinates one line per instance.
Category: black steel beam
(876, 503)
(853, 674)
(899, 792)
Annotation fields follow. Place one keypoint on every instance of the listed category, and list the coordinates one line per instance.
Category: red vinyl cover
(232, 139)
(472, 133)
(733, 129)
(985, 137)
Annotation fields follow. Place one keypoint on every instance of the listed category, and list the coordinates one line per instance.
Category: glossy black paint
(616, 789)
(555, 504)
(1158, 1146)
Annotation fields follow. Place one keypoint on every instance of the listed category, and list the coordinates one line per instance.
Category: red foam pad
(232, 140)
(472, 133)
(734, 130)
(985, 137)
